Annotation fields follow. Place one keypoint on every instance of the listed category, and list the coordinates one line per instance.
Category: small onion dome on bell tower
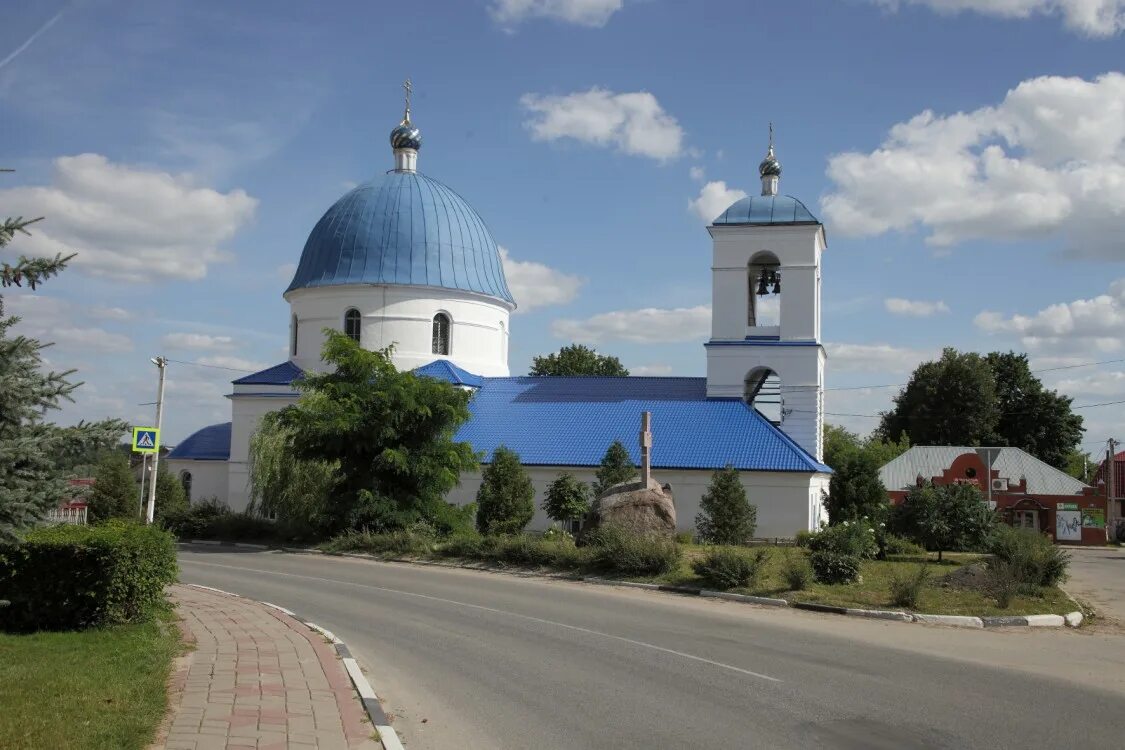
(406, 139)
(770, 169)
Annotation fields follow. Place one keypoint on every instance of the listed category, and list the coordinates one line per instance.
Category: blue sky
(969, 167)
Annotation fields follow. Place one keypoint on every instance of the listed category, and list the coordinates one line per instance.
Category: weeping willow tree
(293, 490)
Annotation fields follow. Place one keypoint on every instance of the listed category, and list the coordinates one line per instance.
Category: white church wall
(403, 316)
(208, 478)
(246, 414)
(785, 500)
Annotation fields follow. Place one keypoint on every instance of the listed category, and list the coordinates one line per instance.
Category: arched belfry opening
(763, 278)
(762, 391)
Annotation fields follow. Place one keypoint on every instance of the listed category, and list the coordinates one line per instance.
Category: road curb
(363, 689)
(1072, 620)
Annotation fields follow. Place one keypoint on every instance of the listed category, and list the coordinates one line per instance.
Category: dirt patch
(971, 577)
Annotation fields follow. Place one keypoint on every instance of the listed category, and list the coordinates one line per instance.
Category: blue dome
(767, 209)
(403, 228)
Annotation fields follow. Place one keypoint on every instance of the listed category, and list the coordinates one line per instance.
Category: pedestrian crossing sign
(146, 440)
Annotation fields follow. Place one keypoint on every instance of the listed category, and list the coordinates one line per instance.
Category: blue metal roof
(212, 443)
(403, 228)
(443, 369)
(283, 374)
(571, 421)
(767, 209)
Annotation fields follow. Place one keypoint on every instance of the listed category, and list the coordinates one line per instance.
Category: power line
(901, 385)
(213, 367)
(1005, 414)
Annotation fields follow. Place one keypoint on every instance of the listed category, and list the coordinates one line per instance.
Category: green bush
(1005, 580)
(1035, 560)
(802, 537)
(834, 567)
(726, 516)
(838, 551)
(394, 543)
(906, 590)
(898, 545)
(796, 571)
(197, 520)
(527, 550)
(469, 545)
(729, 568)
(210, 519)
(685, 537)
(613, 549)
(69, 577)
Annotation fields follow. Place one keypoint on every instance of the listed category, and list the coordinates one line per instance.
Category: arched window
(185, 482)
(763, 276)
(352, 324)
(763, 392)
(441, 334)
(293, 339)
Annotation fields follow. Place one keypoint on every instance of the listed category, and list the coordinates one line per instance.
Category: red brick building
(1023, 490)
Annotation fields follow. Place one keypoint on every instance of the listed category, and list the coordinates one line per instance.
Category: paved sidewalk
(1097, 575)
(258, 678)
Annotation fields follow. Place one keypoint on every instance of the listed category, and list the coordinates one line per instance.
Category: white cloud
(1091, 17)
(651, 370)
(285, 271)
(109, 313)
(1047, 160)
(537, 285)
(129, 223)
(714, 198)
(914, 308)
(595, 13)
(875, 357)
(697, 173)
(50, 319)
(1098, 385)
(633, 123)
(648, 325)
(1097, 323)
(197, 341)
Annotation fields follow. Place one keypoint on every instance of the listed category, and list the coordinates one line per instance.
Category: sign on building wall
(1068, 524)
(1093, 518)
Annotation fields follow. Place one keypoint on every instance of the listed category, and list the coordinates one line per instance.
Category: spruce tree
(726, 515)
(505, 500)
(115, 493)
(616, 468)
(31, 480)
(567, 498)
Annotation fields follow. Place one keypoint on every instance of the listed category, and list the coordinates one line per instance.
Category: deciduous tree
(945, 517)
(577, 359)
(567, 498)
(390, 432)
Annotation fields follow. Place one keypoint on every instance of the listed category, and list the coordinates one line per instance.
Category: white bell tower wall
(792, 348)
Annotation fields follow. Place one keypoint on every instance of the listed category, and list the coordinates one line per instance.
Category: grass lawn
(92, 689)
(873, 592)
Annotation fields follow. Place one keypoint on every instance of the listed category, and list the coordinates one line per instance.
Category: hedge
(71, 577)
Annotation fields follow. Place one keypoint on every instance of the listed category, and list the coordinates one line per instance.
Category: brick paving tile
(258, 679)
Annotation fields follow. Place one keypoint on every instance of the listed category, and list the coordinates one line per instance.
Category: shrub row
(837, 552)
(211, 519)
(70, 577)
(1023, 562)
(609, 550)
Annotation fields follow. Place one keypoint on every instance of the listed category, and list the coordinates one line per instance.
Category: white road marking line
(479, 607)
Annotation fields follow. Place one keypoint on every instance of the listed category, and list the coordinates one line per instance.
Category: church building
(405, 260)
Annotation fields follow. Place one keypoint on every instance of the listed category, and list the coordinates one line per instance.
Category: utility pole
(161, 363)
(1111, 490)
(144, 468)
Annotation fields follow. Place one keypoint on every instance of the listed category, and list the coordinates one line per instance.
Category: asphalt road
(1097, 575)
(466, 659)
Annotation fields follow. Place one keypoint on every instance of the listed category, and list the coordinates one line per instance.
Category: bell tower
(765, 345)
